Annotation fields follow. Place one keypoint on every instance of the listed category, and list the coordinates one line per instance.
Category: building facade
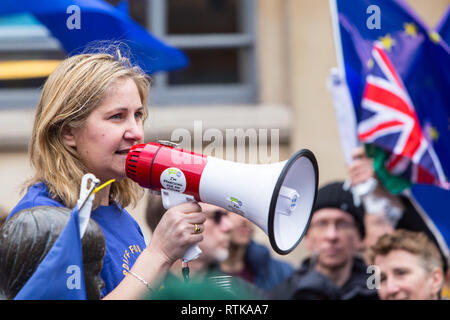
(257, 67)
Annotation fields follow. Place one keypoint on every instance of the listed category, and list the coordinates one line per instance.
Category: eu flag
(60, 274)
(398, 75)
(403, 71)
(80, 24)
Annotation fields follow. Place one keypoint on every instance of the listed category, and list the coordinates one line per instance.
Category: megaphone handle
(172, 198)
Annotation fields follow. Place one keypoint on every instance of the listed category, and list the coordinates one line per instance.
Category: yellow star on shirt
(410, 29)
(387, 42)
(370, 64)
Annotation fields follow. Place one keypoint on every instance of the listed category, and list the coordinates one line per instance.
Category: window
(218, 38)
(216, 35)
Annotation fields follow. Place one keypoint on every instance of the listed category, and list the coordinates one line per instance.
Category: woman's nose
(391, 286)
(134, 131)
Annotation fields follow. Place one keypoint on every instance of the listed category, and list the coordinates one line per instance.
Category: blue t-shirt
(123, 236)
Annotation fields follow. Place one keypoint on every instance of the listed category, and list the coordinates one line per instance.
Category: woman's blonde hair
(416, 243)
(73, 90)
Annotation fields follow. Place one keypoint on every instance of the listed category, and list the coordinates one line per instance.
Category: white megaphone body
(277, 197)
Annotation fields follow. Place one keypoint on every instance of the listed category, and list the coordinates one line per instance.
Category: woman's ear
(437, 279)
(68, 136)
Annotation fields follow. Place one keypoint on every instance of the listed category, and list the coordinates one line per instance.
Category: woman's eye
(401, 272)
(116, 116)
(139, 114)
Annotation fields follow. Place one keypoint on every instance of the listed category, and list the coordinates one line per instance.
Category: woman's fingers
(180, 227)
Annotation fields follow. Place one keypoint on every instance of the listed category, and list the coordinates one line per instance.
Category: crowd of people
(91, 112)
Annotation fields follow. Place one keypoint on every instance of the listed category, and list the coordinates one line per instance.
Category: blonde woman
(91, 112)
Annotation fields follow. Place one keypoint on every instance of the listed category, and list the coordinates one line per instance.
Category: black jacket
(308, 284)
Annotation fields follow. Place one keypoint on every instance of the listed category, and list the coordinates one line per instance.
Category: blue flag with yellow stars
(60, 274)
(397, 70)
(398, 74)
(79, 25)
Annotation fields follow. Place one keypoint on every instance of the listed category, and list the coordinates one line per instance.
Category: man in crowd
(252, 261)
(335, 236)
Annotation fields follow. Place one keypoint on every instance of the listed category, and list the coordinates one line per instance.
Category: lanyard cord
(185, 271)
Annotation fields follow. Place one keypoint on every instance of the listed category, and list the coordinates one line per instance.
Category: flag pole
(337, 85)
(337, 37)
(343, 105)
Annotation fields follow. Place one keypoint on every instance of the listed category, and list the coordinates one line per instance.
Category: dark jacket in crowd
(268, 272)
(309, 284)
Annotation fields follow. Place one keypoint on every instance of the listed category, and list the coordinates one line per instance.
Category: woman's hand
(174, 234)
(170, 240)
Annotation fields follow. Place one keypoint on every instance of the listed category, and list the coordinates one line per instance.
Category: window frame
(245, 92)
(35, 38)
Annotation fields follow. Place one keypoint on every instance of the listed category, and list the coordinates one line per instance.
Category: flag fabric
(60, 274)
(398, 74)
(345, 115)
(433, 204)
(80, 25)
(403, 61)
(443, 27)
(387, 118)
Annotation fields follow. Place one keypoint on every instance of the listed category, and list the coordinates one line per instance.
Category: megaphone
(277, 197)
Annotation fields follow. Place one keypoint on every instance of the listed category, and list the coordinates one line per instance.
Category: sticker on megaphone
(173, 179)
(235, 205)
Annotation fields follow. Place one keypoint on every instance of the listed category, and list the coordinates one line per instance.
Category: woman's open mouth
(123, 152)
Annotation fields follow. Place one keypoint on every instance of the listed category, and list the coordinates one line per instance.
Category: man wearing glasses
(334, 271)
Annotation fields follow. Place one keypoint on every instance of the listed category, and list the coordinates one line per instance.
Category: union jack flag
(387, 118)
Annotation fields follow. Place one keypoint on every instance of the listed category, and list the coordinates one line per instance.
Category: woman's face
(404, 277)
(110, 131)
